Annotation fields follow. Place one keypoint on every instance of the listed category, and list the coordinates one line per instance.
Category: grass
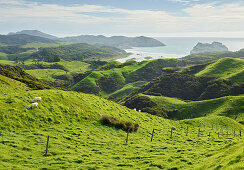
(46, 74)
(230, 106)
(75, 66)
(12, 63)
(3, 56)
(127, 90)
(226, 68)
(49, 74)
(79, 140)
(94, 146)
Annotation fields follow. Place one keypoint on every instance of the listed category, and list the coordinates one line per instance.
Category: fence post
(234, 133)
(240, 133)
(171, 132)
(187, 131)
(199, 132)
(47, 145)
(127, 137)
(218, 134)
(209, 134)
(152, 135)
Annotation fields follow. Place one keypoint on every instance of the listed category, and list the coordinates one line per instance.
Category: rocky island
(206, 47)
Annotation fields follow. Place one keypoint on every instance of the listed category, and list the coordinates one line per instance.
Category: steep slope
(227, 68)
(16, 73)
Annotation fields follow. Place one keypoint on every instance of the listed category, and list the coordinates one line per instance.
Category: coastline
(141, 55)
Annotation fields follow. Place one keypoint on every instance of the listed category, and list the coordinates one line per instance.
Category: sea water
(178, 47)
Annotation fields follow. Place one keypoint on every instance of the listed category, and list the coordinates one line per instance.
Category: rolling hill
(114, 76)
(23, 39)
(226, 68)
(79, 140)
(116, 41)
(173, 108)
(80, 52)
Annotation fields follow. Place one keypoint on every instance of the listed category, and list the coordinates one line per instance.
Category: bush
(114, 122)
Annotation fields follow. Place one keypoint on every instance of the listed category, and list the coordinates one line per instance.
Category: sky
(156, 18)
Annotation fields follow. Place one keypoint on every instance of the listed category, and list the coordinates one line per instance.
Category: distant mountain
(22, 39)
(206, 48)
(34, 33)
(116, 41)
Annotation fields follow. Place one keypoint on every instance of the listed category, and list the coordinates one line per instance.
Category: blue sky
(223, 18)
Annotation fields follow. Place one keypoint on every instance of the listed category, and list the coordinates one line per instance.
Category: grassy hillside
(190, 87)
(79, 140)
(18, 74)
(231, 106)
(115, 78)
(227, 68)
(59, 74)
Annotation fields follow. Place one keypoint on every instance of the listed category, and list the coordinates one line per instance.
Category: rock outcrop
(206, 47)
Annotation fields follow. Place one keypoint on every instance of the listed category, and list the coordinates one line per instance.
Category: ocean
(177, 47)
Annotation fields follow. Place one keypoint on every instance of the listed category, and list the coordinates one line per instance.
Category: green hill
(18, 74)
(173, 108)
(79, 140)
(22, 39)
(227, 68)
(115, 76)
(190, 87)
(80, 52)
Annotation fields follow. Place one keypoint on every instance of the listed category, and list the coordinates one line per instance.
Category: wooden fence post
(47, 145)
(187, 131)
(127, 137)
(218, 134)
(152, 135)
(234, 133)
(199, 132)
(240, 133)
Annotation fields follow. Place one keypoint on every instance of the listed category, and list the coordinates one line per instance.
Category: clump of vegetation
(112, 121)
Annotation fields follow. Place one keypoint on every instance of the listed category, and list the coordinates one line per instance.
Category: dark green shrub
(114, 122)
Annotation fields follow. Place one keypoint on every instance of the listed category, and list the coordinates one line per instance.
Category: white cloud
(210, 17)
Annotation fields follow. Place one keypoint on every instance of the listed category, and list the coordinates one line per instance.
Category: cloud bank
(209, 19)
